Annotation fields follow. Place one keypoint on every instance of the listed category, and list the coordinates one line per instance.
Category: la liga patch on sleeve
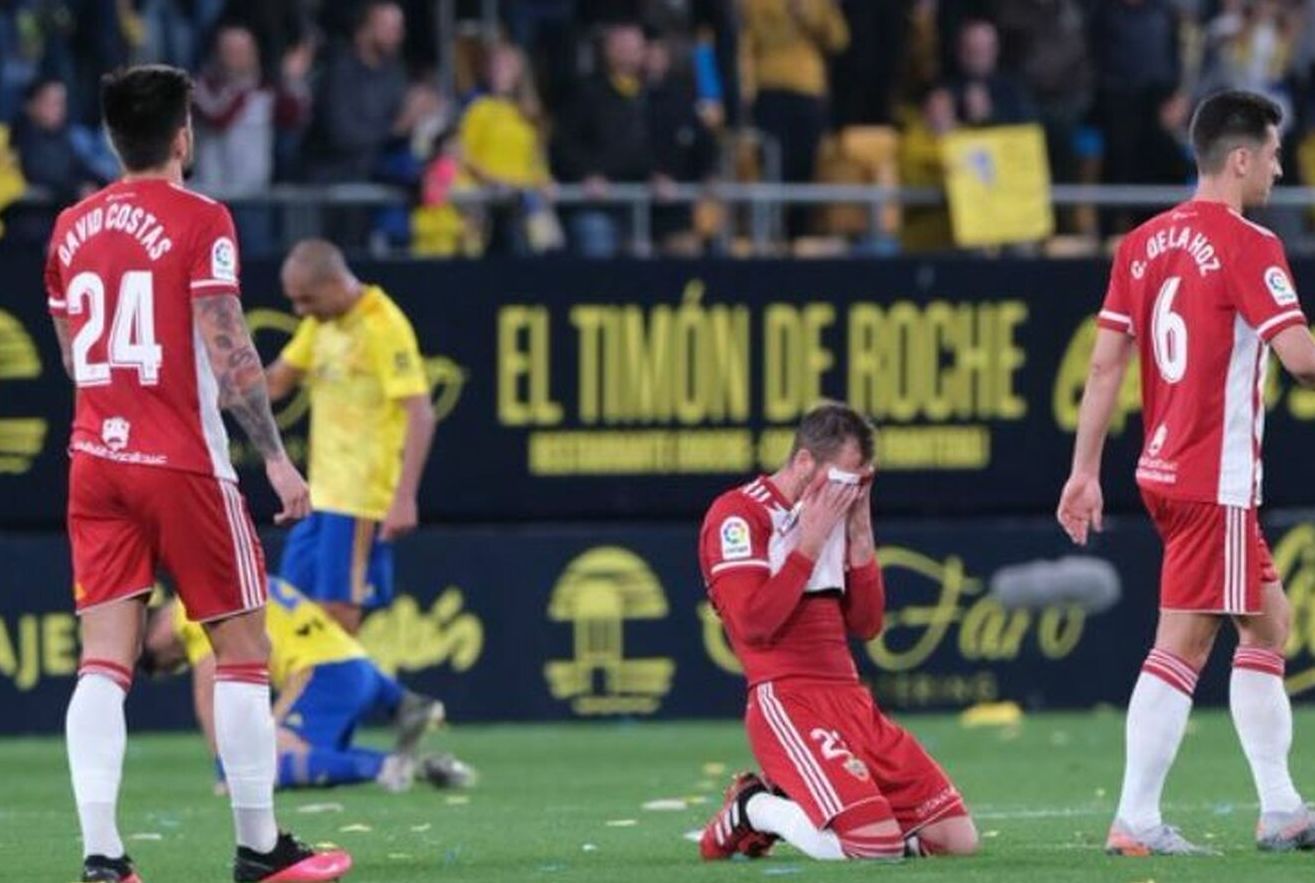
(1280, 287)
(735, 539)
(223, 260)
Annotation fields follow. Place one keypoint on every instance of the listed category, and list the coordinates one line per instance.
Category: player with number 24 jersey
(124, 268)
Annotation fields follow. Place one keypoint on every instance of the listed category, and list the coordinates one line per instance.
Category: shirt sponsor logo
(735, 539)
(223, 260)
(1280, 288)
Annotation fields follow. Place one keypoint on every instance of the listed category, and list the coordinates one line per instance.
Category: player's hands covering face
(823, 504)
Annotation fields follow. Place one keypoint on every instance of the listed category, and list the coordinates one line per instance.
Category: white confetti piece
(713, 768)
(621, 823)
(327, 844)
(457, 800)
(693, 836)
(990, 834)
(590, 847)
(696, 800)
(399, 856)
(311, 808)
(420, 829)
(666, 804)
(146, 835)
(355, 829)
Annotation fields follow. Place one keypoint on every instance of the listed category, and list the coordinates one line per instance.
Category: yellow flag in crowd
(997, 181)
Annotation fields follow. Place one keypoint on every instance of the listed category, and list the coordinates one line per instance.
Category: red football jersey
(1203, 290)
(123, 267)
(752, 528)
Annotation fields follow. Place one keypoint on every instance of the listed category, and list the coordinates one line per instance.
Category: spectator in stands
(502, 148)
(363, 100)
(604, 137)
(49, 157)
(926, 228)
(1045, 41)
(787, 43)
(1137, 72)
(1252, 46)
(175, 30)
(684, 149)
(984, 95)
(237, 112)
(863, 77)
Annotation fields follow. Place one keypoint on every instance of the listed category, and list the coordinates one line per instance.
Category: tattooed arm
(243, 394)
(237, 369)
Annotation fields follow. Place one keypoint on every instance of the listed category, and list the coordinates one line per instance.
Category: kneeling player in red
(789, 561)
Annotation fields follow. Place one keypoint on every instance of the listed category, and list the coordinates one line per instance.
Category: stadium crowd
(656, 92)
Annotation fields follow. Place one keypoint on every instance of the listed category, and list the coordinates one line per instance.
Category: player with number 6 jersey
(142, 286)
(1201, 294)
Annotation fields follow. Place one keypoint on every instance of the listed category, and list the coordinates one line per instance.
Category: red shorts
(1215, 557)
(829, 748)
(126, 521)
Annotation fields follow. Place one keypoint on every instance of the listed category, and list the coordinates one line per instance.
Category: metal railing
(760, 205)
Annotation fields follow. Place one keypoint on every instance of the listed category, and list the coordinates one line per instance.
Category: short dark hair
(144, 107)
(39, 85)
(828, 426)
(1227, 119)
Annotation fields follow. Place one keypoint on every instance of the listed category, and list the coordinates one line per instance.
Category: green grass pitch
(566, 802)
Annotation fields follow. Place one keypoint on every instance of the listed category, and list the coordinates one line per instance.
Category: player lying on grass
(326, 685)
(1202, 294)
(789, 561)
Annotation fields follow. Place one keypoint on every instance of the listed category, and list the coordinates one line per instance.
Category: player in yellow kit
(326, 685)
(371, 429)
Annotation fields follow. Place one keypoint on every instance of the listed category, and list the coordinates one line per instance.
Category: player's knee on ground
(952, 836)
(869, 831)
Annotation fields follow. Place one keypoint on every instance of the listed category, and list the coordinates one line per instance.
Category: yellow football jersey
(358, 367)
(301, 635)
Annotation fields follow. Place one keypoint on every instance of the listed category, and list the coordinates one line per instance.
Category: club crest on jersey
(858, 769)
(223, 260)
(114, 433)
(1279, 287)
(735, 539)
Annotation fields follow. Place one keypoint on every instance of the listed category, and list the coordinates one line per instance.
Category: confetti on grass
(311, 808)
(713, 768)
(420, 829)
(590, 847)
(622, 823)
(457, 800)
(146, 835)
(667, 804)
(355, 829)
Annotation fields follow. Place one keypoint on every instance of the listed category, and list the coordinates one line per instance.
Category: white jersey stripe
(818, 784)
(731, 565)
(1112, 316)
(207, 400)
(1228, 559)
(1276, 320)
(253, 587)
(245, 575)
(243, 545)
(213, 283)
(1242, 560)
(1237, 449)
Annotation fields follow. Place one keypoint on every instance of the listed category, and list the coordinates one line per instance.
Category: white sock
(244, 731)
(1157, 719)
(784, 818)
(97, 735)
(1262, 715)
